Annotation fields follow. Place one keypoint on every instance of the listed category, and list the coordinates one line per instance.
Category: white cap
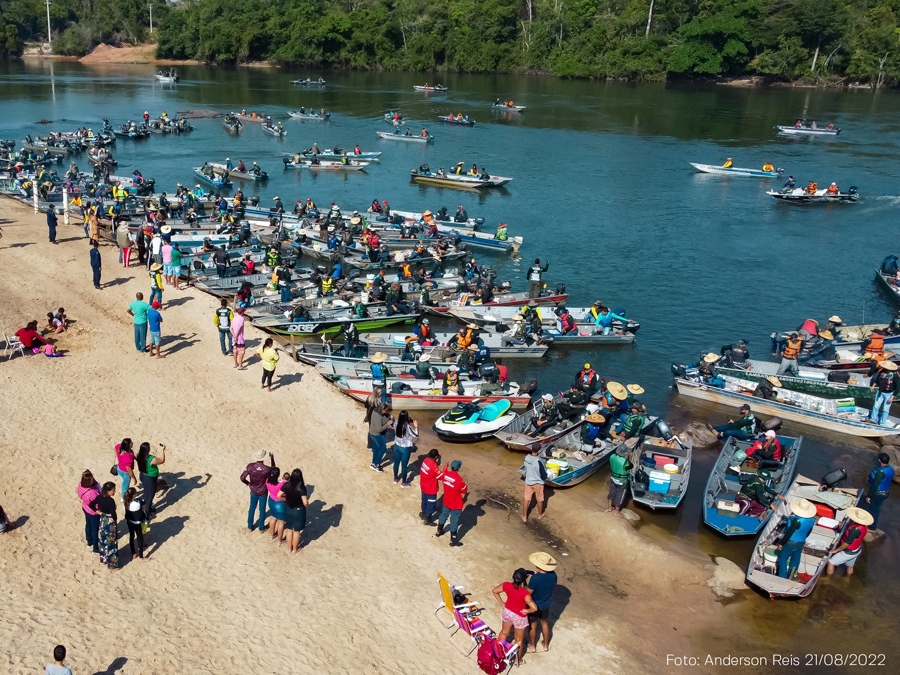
(547, 397)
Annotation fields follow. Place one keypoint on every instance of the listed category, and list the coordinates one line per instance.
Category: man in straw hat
(766, 388)
(254, 477)
(592, 431)
(886, 384)
(796, 530)
(620, 466)
(156, 283)
(379, 373)
(850, 544)
(542, 582)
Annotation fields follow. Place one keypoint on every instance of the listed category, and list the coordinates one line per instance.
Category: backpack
(490, 656)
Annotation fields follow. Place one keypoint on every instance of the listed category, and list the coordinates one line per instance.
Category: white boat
(220, 169)
(437, 88)
(839, 415)
(807, 131)
(327, 165)
(762, 571)
(276, 130)
(736, 171)
(666, 465)
(309, 115)
(502, 107)
(392, 342)
(801, 196)
(167, 79)
(309, 83)
(403, 137)
(413, 394)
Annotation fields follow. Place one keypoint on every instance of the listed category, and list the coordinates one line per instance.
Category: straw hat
(259, 455)
(355, 220)
(774, 381)
(827, 334)
(835, 319)
(617, 390)
(860, 516)
(543, 561)
(595, 418)
(426, 212)
(425, 357)
(166, 229)
(803, 508)
(472, 326)
(155, 267)
(711, 358)
(889, 365)
(473, 348)
(635, 389)
(532, 303)
(378, 357)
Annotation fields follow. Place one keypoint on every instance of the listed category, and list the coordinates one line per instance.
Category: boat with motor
(317, 322)
(423, 176)
(307, 82)
(471, 422)
(568, 461)
(802, 196)
(801, 130)
(254, 174)
(447, 220)
(846, 338)
(446, 300)
(889, 276)
(661, 467)
(132, 131)
(337, 153)
(736, 171)
(333, 366)
(252, 117)
(407, 235)
(232, 124)
(277, 130)
(218, 182)
(167, 77)
(417, 394)
(838, 415)
(437, 88)
(396, 343)
(411, 138)
(506, 107)
(834, 506)
(393, 119)
(722, 502)
(516, 436)
(326, 165)
(459, 121)
(320, 116)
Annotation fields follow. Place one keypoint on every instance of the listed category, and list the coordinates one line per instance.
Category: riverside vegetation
(819, 40)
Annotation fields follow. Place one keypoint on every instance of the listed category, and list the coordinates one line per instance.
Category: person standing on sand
(96, 263)
(135, 519)
(138, 309)
(276, 506)
(124, 242)
(154, 323)
(255, 476)
(534, 482)
(6, 525)
(105, 505)
(455, 493)
(125, 463)
(619, 466)
(269, 357)
(52, 221)
(156, 282)
(148, 465)
(88, 491)
(58, 667)
(407, 432)
(518, 605)
(429, 475)
(237, 338)
(541, 584)
(379, 422)
(295, 502)
(176, 268)
(222, 320)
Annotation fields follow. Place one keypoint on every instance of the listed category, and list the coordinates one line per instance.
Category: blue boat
(569, 461)
(725, 480)
(218, 182)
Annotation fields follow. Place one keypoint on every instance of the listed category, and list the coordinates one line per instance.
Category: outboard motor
(254, 200)
(833, 478)
(772, 424)
(286, 160)
(560, 289)
(477, 224)
(531, 387)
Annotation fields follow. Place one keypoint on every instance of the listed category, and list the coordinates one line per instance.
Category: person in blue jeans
(255, 475)
(379, 423)
(743, 428)
(406, 433)
(885, 382)
(139, 309)
(797, 529)
(156, 283)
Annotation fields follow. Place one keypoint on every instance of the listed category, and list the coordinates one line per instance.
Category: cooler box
(662, 460)
(727, 508)
(559, 466)
(827, 523)
(659, 482)
(824, 510)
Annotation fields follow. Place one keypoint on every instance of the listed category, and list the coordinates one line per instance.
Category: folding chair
(13, 345)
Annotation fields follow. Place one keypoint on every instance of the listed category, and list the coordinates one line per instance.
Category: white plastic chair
(13, 345)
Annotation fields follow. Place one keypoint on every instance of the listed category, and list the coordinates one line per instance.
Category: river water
(602, 190)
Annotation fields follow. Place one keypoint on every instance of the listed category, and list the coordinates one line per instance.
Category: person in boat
(768, 166)
(833, 189)
(834, 324)
(474, 170)
(451, 382)
(502, 233)
(886, 383)
(798, 124)
(424, 132)
(466, 360)
(743, 428)
(572, 404)
(548, 416)
(632, 424)
(767, 451)
(755, 496)
(407, 132)
(789, 355)
(593, 430)
(395, 299)
(484, 175)
(850, 546)
(463, 338)
(604, 322)
(248, 266)
(874, 344)
(894, 326)
(461, 215)
(728, 164)
(458, 170)
(350, 333)
(359, 309)
(812, 188)
(814, 125)
(423, 333)
(766, 389)
(565, 322)
(793, 538)
(736, 355)
(497, 102)
(587, 379)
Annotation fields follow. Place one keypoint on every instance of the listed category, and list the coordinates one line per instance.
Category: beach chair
(13, 345)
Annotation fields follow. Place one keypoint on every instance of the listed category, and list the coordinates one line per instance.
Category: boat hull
(404, 138)
(886, 282)
(459, 183)
(735, 171)
(794, 198)
(816, 386)
(806, 131)
(324, 326)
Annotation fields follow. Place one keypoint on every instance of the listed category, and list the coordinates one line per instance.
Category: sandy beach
(218, 599)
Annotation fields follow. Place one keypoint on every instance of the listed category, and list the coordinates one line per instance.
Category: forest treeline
(856, 40)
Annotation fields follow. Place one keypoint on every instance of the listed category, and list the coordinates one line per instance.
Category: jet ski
(472, 421)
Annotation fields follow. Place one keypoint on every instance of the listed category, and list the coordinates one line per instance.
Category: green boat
(331, 324)
(810, 381)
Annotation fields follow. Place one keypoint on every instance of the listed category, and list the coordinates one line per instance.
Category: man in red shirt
(429, 475)
(455, 492)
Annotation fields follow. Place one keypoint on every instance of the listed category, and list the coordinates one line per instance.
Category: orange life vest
(792, 348)
(451, 379)
(406, 270)
(833, 189)
(465, 340)
(876, 344)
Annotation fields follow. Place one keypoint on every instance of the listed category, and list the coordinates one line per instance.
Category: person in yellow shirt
(728, 164)
(768, 167)
(269, 357)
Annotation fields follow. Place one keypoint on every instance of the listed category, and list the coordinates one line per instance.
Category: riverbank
(368, 571)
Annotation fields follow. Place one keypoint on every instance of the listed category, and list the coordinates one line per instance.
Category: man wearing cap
(587, 379)
(548, 416)
(879, 487)
(452, 382)
(736, 355)
(620, 466)
(52, 221)
(283, 275)
(743, 429)
(886, 384)
(535, 278)
(455, 493)
(541, 583)
(573, 402)
(254, 477)
(850, 545)
(796, 530)
(154, 323)
(789, 355)
(96, 263)
(138, 310)
(534, 481)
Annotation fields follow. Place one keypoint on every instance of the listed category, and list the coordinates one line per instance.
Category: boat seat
(727, 496)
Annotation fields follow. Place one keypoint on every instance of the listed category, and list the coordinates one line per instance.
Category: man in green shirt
(138, 309)
(176, 267)
(619, 466)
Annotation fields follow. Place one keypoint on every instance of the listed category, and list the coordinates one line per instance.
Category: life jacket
(424, 332)
(568, 323)
(155, 280)
(378, 373)
(854, 543)
(792, 348)
(617, 467)
(406, 270)
(224, 316)
(592, 431)
(502, 373)
(250, 266)
(463, 341)
(272, 258)
(811, 188)
(801, 533)
(327, 285)
(534, 274)
(876, 344)
(502, 233)
(885, 485)
(833, 189)
(451, 379)
(585, 377)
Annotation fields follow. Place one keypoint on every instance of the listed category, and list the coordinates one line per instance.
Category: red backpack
(490, 656)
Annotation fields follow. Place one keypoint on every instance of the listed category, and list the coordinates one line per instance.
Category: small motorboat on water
(661, 467)
(320, 116)
(395, 119)
(507, 107)
(736, 171)
(326, 165)
(470, 422)
(276, 129)
(254, 174)
(802, 196)
(457, 181)
(409, 138)
(249, 117)
(459, 121)
(315, 322)
(732, 470)
(435, 88)
(307, 82)
(232, 124)
(211, 178)
(801, 130)
(888, 276)
(167, 76)
(834, 507)
(396, 343)
(337, 153)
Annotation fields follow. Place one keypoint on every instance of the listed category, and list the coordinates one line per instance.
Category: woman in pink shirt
(125, 464)
(237, 338)
(166, 251)
(276, 505)
(88, 491)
